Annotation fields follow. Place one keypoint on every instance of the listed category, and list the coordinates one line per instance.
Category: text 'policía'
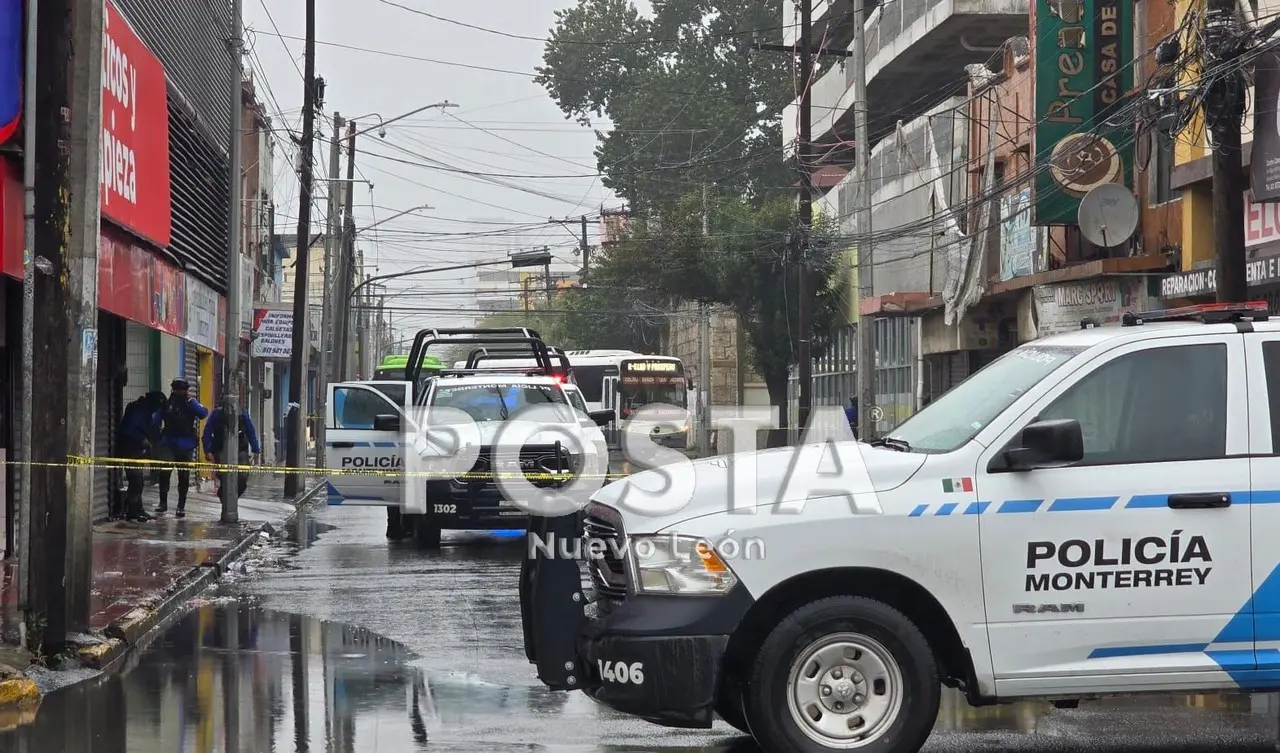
(1110, 564)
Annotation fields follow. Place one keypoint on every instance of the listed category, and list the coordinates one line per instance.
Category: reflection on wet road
(436, 663)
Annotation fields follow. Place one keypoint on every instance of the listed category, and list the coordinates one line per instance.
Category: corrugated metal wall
(191, 41)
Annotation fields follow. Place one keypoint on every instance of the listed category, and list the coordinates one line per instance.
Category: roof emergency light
(1208, 313)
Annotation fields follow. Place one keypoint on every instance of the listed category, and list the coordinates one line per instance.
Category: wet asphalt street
(339, 642)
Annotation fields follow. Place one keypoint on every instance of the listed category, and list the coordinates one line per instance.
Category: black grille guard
(552, 602)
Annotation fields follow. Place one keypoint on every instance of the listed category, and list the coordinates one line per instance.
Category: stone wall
(683, 343)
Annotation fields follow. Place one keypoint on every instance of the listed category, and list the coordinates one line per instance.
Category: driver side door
(353, 442)
(1117, 572)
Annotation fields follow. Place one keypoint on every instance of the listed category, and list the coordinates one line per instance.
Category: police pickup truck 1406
(1094, 513)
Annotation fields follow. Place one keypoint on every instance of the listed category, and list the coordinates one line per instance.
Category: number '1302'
(621, 672)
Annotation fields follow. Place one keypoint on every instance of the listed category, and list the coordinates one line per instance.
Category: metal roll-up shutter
(137, 359)
(106, 412)
(957, 368)
(190, 362)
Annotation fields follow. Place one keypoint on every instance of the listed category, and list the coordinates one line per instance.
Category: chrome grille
(607, 570)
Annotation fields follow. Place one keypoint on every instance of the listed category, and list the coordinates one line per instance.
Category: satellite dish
(1108, 215)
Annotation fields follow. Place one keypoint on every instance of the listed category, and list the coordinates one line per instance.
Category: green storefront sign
(1083, 64)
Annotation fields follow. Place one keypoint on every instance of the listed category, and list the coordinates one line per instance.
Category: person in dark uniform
(139, 433)
(179, 438)
(215, 442)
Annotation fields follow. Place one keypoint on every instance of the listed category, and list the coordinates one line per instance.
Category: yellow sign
(670, 366)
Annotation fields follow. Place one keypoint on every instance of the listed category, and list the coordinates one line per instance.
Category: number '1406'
(621, 672)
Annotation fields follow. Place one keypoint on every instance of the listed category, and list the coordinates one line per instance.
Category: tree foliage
(687, 107)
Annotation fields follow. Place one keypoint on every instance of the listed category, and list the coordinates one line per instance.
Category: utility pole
(1224, 105)
(704, 350)
(346, 263)
(298, 357)
(866, 360)
(81, 365)
(30, 112)
(804, 154)
(47, 615)
(231, 382)
(586, 249)
(326, 294)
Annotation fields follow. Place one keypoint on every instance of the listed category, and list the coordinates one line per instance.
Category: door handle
(349, 445)
(1202, 501)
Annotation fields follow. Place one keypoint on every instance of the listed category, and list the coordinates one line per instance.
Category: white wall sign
(1059, 308)
(202, 314)
(272, 334)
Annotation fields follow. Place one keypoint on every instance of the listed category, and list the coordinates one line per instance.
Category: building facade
(976, 242)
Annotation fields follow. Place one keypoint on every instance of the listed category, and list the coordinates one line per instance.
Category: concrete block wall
(726, 361)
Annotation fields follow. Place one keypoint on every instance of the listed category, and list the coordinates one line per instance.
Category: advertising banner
(1083, 66)
(1018, 238)
(11, 62)
(135, 133)
(124, 278)
(1059, 308)
(272, 334)
(1264, 165)
(202, 314)
(168, 298)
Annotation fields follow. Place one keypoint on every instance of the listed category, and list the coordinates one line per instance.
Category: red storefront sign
(137, 285)
(135, 133)
(12, 237)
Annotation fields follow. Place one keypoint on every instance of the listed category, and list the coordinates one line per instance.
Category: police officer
(179, 439)
(139, 432)
(215, 441)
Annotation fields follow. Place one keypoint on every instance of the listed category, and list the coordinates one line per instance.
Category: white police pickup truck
(1094, 513)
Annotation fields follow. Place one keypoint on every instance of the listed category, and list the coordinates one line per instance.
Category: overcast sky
(378, 58)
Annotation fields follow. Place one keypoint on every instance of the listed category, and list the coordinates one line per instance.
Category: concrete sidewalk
(143, 573)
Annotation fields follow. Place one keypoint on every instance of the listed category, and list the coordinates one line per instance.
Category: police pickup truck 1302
(1093, 513)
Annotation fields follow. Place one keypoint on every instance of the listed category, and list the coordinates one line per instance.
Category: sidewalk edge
(126, 632)
(21, 695)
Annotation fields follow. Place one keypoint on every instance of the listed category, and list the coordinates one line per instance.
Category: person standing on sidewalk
(179, 439)
(139, 433)
(215, 443)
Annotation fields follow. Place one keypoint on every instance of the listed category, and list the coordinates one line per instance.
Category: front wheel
(426, 532)
(844, 673)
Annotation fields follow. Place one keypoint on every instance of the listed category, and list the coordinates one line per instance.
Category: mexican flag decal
(957, 484)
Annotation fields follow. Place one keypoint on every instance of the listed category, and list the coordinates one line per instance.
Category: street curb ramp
(19, 695)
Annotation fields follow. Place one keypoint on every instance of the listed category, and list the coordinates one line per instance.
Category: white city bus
(622, 381)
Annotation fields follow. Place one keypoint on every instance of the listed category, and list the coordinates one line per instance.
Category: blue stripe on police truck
(334, 444)
(1079, 504)
(1257, 621)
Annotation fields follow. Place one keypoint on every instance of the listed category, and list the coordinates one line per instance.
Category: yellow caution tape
(111, 463)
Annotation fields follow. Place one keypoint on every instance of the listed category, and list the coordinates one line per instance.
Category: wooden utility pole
(1224, 105)
(81, 366)
(346, 263)
(301, 267)
(47, 561)
(804, 153)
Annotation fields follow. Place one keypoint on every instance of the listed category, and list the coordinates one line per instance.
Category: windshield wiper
(497, 390)
(893, 443)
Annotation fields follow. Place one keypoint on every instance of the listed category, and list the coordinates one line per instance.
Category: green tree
(745, 262)
(688, 108)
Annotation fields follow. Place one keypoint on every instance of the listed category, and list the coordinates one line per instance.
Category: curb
(125, 632)
(20, 697)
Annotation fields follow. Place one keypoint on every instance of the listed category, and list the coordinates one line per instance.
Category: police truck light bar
(1204, 312)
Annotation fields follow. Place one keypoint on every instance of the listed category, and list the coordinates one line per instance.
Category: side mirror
(1047, 444)
(601, 417)
(386, 422)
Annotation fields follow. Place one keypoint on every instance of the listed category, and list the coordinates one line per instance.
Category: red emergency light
(1204, 312)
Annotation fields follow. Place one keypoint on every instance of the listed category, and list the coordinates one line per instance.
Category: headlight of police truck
(671, 564)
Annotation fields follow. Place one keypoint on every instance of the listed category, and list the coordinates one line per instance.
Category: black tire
(729, 705)
(426, 532)
(774, 725)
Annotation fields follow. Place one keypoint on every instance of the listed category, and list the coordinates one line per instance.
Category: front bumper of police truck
(647, 637)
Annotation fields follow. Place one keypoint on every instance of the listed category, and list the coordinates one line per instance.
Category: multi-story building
(974, 246)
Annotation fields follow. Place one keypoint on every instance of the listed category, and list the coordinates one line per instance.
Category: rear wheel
(844, 673)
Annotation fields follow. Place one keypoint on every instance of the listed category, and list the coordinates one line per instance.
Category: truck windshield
(498, 402)
(956, 417)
